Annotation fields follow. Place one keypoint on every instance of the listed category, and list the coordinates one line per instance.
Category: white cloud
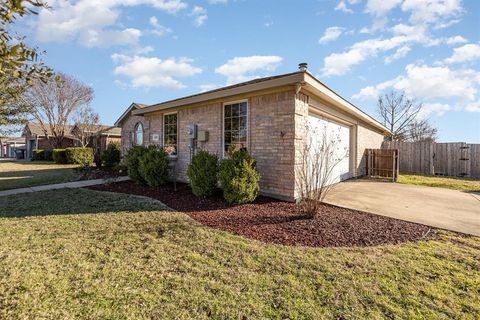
(437, 109)
(466, 53)
(199, 15)
(341, 6)
(429, 83)
(331, 34)
(158, 29)
(381, 7)
(150, 72)
(473, 106)
(241, 69)
(107, 38)
(400, 53)
(91, 21)
(455, 40)
(208, 87)
(340, 63)
(436, 12)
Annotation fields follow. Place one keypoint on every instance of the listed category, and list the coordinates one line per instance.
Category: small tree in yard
(54, 102)
(86, 124)
(397, 112)
(320, 154)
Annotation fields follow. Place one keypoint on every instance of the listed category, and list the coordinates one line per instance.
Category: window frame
(247, 143)
(163, 131)
(135, 139)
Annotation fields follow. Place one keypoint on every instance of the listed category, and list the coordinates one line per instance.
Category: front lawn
(89, 254)
(23, 174)
(464, 184)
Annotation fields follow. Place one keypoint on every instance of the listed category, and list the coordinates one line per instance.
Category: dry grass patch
(87, 254)
(464, 184)
(23, 174)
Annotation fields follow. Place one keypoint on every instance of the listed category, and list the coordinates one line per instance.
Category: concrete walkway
(437, 207)
(75, 184)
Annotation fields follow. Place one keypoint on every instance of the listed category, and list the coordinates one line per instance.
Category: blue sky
(153, 50)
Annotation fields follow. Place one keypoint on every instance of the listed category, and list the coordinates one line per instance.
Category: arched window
(138, 135)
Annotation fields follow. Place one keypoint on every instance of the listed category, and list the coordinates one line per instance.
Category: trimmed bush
(133, 163)
(202, 173)
(77, 155)
(59, 156)
(48, 155)
(38, 155)
(239, 178)
(111, 155)
(153, 166)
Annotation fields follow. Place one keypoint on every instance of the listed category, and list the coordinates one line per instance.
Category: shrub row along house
(100, 137)
(270, 117)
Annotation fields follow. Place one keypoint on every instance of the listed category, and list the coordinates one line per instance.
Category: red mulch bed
(273, 221)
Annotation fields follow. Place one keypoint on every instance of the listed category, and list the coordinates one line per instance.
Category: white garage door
(326, 134)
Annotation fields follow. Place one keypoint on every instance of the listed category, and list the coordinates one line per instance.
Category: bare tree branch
(54, 102)
(86, 125)
(397, 112)
(320, 154)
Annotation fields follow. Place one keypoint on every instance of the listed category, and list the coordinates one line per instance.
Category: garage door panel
(337, 141)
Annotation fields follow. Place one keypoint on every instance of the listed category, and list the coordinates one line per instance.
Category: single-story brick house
(100, 136)
(266, 116)
(9, 146)
(35, 138)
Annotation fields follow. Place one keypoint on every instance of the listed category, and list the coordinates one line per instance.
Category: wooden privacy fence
(382, 163)
(457, 159)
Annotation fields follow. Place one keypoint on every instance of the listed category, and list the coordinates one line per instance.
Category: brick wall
(272, 132)
(366, 138)
(128, 126)
(270, 136)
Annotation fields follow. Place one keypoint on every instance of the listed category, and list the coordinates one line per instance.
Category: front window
(170, 133)
(138, 135)
(235, 126)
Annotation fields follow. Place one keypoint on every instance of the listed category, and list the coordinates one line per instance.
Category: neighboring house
(100, 136)
(269, 117)
(35, 138)
(9, 146)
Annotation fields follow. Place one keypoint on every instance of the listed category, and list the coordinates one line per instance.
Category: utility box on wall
(202, 136)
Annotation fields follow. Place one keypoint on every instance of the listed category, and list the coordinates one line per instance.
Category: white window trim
(135, 134)
(223, 123)
(163, 131)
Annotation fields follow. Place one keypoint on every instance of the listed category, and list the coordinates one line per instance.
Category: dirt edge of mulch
(274, 221)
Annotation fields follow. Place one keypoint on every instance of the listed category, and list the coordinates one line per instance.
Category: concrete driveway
(442, 208)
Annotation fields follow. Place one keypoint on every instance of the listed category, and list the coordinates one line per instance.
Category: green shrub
(111, 155)
(239, 178)
(153, 166)
(38, 155)
(133, 163)
(48, 155)
(59, 156)
(202, 173)
(77, 155)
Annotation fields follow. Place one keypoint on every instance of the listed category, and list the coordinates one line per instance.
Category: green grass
(23, 174)
(92, 255)
(464, 184)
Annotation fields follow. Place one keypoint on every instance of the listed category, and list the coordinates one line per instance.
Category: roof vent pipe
(302, 66)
